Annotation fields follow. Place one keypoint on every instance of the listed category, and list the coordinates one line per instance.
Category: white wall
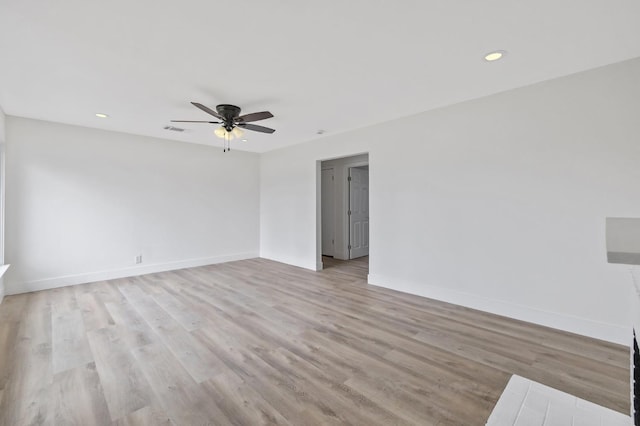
(497, 203)
(82, 203)
(340, 168)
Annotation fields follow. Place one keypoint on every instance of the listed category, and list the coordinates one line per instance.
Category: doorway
(343, 210)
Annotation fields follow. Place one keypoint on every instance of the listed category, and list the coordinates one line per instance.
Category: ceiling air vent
(174, 129)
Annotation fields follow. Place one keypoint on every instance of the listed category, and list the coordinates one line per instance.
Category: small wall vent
(174, 129)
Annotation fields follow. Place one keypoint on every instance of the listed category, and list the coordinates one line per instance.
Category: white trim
(3, 269)
(49, 283)
(586, 327)
(332, 217)
(319, 213)
(3, 146)
(312, 266)
(3, 178)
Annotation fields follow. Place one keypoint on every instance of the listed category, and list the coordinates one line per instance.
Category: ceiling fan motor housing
(229, 112)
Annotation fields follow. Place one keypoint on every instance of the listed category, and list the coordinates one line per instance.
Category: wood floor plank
(70, 345)
(186, 318)
(240, 402)
(13, 308)
(259, 342)
(8, 339)
(347, 396)
(94, 312)
(77, 398)
(125, 388)
(290, 395)
(405, 385)
(144, 417)
(175, 389)
(193, 356)
(130, 327)
(25, 399)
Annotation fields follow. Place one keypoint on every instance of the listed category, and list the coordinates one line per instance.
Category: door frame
(345, 167)
(333, 212)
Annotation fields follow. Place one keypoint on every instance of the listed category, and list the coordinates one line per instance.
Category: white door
(358, 212)
(328, 212)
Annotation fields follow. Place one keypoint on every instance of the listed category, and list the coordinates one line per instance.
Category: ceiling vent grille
(174, 129)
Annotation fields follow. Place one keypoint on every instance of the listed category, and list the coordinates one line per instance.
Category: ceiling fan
(232, 122)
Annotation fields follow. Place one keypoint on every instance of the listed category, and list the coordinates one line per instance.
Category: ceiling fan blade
(256, 128)
(254, 116)
(195, 121)
(207, 110)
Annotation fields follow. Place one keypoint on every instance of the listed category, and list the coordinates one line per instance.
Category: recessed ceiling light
(494, 56)
(101, 115)
(244, 140)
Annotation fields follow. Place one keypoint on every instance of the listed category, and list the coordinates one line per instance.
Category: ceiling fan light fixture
(223, 133)
(238, 133)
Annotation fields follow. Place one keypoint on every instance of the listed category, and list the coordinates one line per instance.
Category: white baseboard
(293, 262)
(68, 280)
(586, 327)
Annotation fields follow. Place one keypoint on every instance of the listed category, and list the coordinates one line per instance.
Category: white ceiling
(330, 64)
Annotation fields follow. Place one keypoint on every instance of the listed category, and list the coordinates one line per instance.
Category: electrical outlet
(138, 259)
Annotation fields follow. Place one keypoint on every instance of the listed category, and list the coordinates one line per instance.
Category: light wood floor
(258, 342)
